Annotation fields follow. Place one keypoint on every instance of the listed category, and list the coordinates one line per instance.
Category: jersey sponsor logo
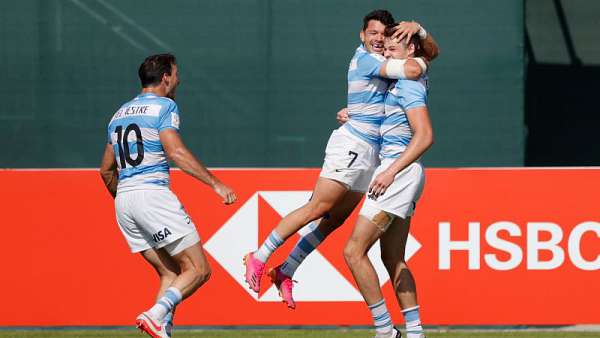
(161, 235)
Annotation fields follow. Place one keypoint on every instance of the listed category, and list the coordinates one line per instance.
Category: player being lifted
(141, 135)
(393, 192)
(351, 155)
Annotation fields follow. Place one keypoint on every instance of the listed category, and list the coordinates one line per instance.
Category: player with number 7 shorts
(351, 156)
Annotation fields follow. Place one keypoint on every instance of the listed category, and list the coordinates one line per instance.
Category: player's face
(372, 37)
(395, 50)
(171, 82)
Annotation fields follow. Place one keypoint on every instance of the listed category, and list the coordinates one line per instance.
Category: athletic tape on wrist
(394, 69)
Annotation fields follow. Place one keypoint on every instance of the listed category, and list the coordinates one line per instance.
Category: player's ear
(362, 36)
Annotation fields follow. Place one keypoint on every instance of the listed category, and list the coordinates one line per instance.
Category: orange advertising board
(487, 246)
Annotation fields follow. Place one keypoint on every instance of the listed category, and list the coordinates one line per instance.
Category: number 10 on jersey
(123, 145)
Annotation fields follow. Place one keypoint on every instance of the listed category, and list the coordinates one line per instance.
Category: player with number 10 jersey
(134, 134)
(141, 135)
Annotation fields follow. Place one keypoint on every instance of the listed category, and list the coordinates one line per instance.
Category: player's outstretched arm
(184, 159)
(407, 29)
(422, 139)
(108, 170)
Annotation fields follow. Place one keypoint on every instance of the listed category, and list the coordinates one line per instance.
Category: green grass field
(285, 333)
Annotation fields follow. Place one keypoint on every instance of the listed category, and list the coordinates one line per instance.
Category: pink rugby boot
(254, 271)
(284, 284)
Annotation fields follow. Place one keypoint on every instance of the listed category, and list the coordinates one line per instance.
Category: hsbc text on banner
(487, 246)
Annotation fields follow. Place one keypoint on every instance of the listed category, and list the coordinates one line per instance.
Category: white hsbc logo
(540, 237)
(239, 235)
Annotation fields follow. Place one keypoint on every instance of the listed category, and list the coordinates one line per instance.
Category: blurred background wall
(562, 82)
(262, 80)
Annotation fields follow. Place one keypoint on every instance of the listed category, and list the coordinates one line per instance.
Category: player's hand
(380, 184)
(225, 192)
(406, 29)
(342, 116)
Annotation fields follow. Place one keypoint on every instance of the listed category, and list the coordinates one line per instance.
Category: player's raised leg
(326, 194)
(365, 233)
(282, 275)
(393, 245)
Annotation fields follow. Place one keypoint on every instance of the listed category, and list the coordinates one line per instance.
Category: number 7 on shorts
(354, 156)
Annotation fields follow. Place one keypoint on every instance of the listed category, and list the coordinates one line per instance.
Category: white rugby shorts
(402, 195)
(349, 160)
(154, 218)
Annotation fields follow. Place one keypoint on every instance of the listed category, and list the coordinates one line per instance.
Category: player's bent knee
(351, 253)
(318, 209)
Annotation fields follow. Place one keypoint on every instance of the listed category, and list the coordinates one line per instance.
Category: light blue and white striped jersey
(366, 95)
(133, 132)
(395, 129)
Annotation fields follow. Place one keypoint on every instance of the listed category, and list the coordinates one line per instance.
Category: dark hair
(414, 39)
(380, 15)
(154, 67)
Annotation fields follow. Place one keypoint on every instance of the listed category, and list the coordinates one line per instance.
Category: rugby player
(393, 192)
(351, 155)
(142, 134)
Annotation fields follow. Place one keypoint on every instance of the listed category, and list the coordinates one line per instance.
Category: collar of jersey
(146, 95)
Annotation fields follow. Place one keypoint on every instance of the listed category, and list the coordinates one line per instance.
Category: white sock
(166, 303)
(381, 317)
(413, 322)
(303, 248)
(266, 249)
